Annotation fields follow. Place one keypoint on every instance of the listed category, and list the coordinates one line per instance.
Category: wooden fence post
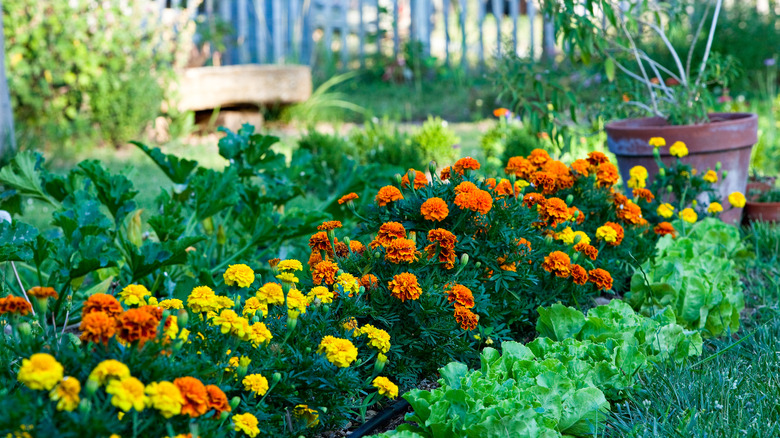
(7, 133)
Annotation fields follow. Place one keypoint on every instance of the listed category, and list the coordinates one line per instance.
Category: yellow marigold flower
(657, 142)
(165, 397)
(583, 237)
(339, 352)
(665, 210)
(325, 296)
(296, 301)
(173, 327)
(134, 295)
(348, 283)
(252, 305)
(351, 324)
(377, 338)
(311, 416)
(246, 423)
(714, 208)
(678, 149)
(202, 299)
(259, 334)
(152, 301)
(688, 215)
(127, 393)
(240, 275)
(566, 236)
(232, 362)
(385, 387)
(634, 183)
(607, 234)
(107, 370)
(171, 304)
(711, 176)
(290, 265)
(229, 321)
(40, 371)
(287, 277)
(224, 302)
(737, 199)
(271, 293)
(638, 172)
(256, 383)
(66, 394)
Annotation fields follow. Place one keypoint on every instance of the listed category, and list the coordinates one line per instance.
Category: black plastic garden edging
(379, 419)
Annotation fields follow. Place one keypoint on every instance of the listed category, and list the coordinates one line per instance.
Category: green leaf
(21, 175)
(559, 322)
(114, 191)
(609, 69)
(16, 241)
(177, 169)
(453, 372)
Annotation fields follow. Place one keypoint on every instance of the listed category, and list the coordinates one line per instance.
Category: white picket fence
(348, 33)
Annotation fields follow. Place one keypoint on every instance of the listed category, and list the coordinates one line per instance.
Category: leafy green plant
(696, 275)
(435, 140)
(380, 141)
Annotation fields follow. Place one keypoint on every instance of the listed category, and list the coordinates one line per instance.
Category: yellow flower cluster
(134, 295)
(737, 200)
(171, 304)
(165, 397)
(40, 371)
(607, 234)
(271, 293)
(320, 292)
(252, 305)
(239, 275)
(377, 338)
(665, 210)
(348, 284)
(256, 383)
(246, 423)
(296, 302)
(678, 149)
(290, 266)
(570, 237)
(339, 352)
(638, 179)
(689, 215)
(385, 387)
(203, 299)
(127, 393)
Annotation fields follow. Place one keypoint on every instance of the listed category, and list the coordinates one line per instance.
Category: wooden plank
(361, 35)
(464, 62)
(531, 11)
(445, 7)
(378, 33)
(480, 24)
(243, 29)
(261, 32)
(498, 14)
(278, 31)
(396, 25)
(514, 11)
(306, 34)
(343, 32)
(292, 24)
(225, 15)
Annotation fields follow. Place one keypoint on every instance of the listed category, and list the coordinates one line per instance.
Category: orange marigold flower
(324, 271)
(329, 225)
(557, 263)
(136, 325)
(645, 194)
(320, 242)
(555, 211)
(445, 174)
(590, 251)
(466, 163)
(665, 228)
(630, 213)
(545, 182)
(619, 230)
(388, 194)
(443, 241)
(465, 187)
(420, 180)
(14, 304)
(97, 327)
(348, 197)
(531, 199)
(314, 258)
(467, 319)
(102, 303)
(478, 200)
(196, 396)
(601, 278)
(390, 231)
(217, 400)
(401, 251)
(342, 250)
(434, 209)
(538, 157)
(461, 295)
(43, 292)
(581, 166)
(579, 275)
(519, 167)
(606, 175)
(597, 158)
(504, 188)
(501, 112)
(369, 281)
(357, 247)
(404, 286)
(273, 262)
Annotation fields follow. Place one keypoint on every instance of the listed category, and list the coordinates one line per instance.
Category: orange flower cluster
(606, 175)
(554, 211)
(324, 272)
(539, 157)
(388, 232)
(401, 251)
(136, 325)
(329, 225)
(645, 194)
(369, 281)
(581, 166)
(665, 228)
(388, 194)
(627, 210)
(420, 180)
(195, 394)
(320, 242)
(532, 199)
(464, 164)
(443, 241)
(601, 278)
(520, 167)
(14, 305)
(348, 197)
(579, 275)
(445, 173)
(461, 295)
(97, 327)
(102, 303)
(557, 263)
(404, 286)
(619, 230)
(43, 292)
(342, 250)
(595, 159)
(434, 209)
(590, 251)
(467, 319)
(468, 196)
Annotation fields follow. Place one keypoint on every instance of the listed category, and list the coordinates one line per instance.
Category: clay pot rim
(762, 204)
(659, 123)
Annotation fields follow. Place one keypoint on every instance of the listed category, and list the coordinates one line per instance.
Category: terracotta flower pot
(761, 211)
(727, 139)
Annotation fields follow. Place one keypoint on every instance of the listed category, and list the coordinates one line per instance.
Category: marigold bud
(569, 199)
(182, 317)
(85, 405)
(208, 225)
(432, 168)
(234, 402)
(276, 377)
(398, 178)
(24, 328)
(662, 171)
(718, 166)
(725, 174)
(221, 236)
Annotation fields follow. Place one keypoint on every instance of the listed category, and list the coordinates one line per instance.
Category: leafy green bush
(436, 141)
(382, 142)
(89, 68)
(696, 275)
(504, 140)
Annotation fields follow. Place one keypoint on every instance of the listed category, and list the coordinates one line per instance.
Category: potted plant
(666, 99)
(763, 201)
